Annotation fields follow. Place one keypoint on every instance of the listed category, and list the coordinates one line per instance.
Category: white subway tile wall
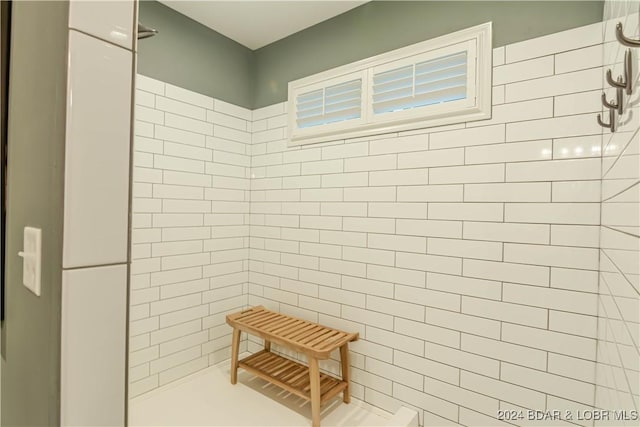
(617, 371)
(456, 252)
(466, 256)
(190, 231)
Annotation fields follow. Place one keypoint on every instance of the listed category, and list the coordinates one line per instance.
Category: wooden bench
(315, 341)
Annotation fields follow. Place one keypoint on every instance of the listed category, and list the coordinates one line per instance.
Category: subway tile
(557, 127)
(559, 299)
(368, 317)
(466, 137)
(555, 170)
(511, 152)
(579, 59)
(188, 124)
(368, 286)
(371, 163)
(467, 174)
(571, 323)
(395, 308)
(579, 280)
(396, 275)
(352, 179)
(463, 360)
(398, 210)
(487, 289)
(398, 177)
(576, 191)
(178, 135)
(431, 158)
(226, 120)
(427, 297)
(577, 103)
(508, 192)
(395, 340)
(465, 248)
(369, 194)
(557, 256)
(549, 383)
(401, 144)
(507, 272)
(524, 355)
(397, 242)
(553, 213)
(432, 263)
(428, 332)
(556, 342)
(507, 232)
(149, 85)
(366, 255)
(524, 70)
(322, 167)
(466, 211)
(426, 365)
(188, 96)
(430, 193)
(343, 267)
(464, 323)
(575, 235)
(419, 399)
(502, 390)
(462, 397)
(506, 312)
(345, 150)
(180, 108)
(431, 228)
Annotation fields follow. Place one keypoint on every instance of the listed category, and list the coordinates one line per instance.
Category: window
(440, 81)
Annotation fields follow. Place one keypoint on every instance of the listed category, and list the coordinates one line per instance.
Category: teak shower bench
(315, 341)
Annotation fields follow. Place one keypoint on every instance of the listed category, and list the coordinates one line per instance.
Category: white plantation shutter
(417, 85)
(440, 81)
(328, 105)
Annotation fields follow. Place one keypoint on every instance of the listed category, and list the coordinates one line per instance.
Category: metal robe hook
(624, 39)
(627, 82)
(612, 121)
(614, 106)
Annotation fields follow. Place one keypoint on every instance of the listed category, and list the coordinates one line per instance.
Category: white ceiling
(258, 23)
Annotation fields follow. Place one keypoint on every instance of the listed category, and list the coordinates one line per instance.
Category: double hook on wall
(621, 83)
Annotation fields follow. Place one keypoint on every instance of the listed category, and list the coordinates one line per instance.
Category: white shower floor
(207, 398)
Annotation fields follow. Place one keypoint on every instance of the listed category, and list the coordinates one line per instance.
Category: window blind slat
(423, 100)
(332, 104)
(328, 118)
(442, 63)
(425, 83)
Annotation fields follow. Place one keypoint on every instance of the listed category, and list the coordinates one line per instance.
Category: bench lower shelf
(291, 376)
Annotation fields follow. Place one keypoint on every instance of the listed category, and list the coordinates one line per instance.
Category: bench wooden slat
(301, 335)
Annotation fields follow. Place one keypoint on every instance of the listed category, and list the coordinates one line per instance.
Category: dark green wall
(36, 138)
(380, 26)
(190, 55)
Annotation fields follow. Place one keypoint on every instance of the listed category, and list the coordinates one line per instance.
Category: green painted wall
(188, 54)
(380, 26)
(36, 139)
(191, 55)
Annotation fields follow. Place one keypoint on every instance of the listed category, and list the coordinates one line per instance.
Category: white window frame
(476, 106)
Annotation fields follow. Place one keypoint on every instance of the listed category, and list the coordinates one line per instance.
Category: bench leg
(267, 345)
(314, 377)
(235, 349)
(344, 359)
